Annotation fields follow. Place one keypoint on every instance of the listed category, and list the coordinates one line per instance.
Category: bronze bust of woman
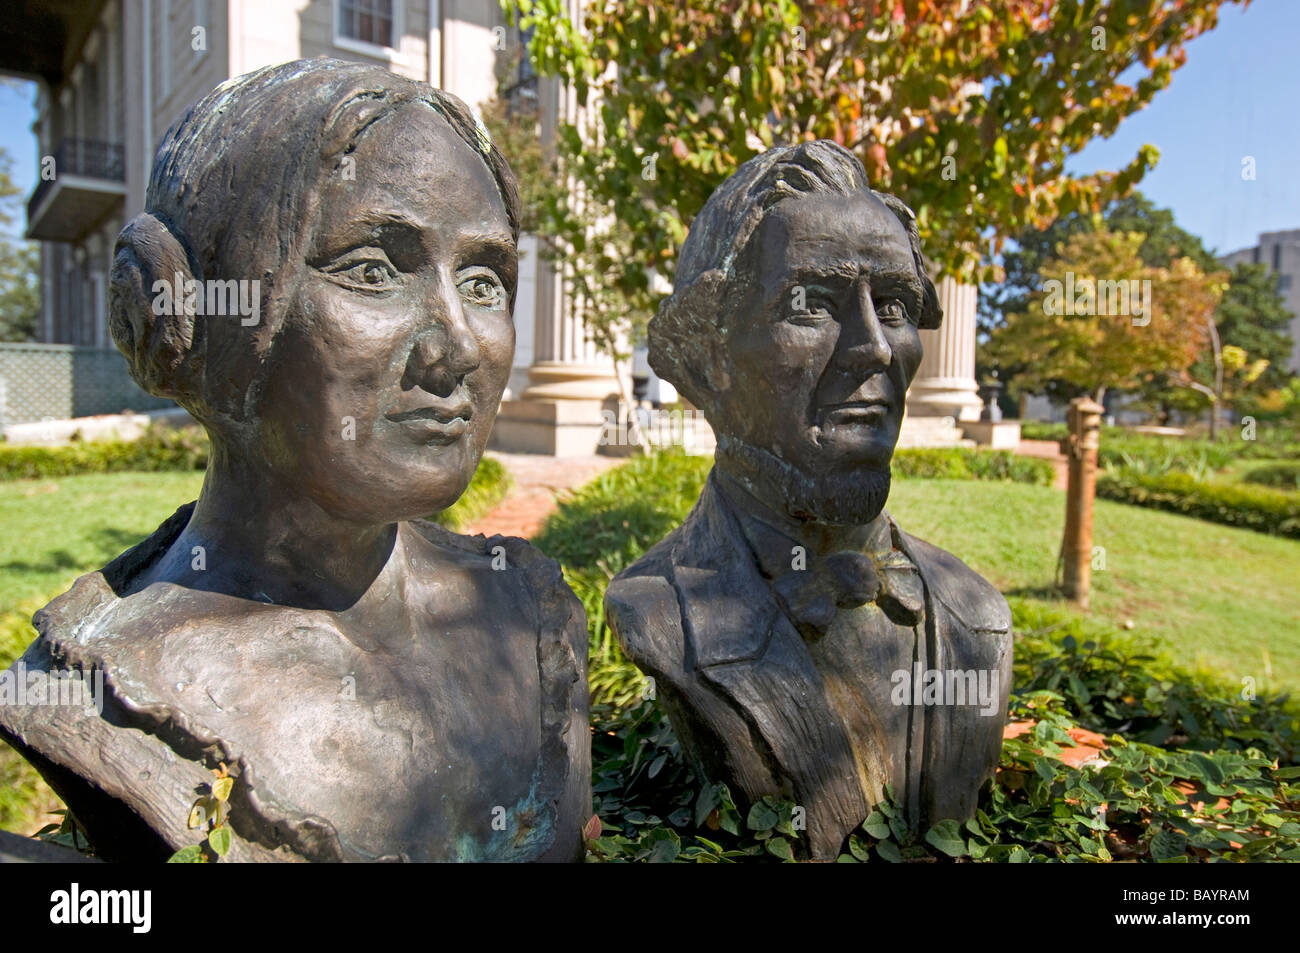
(381, 688)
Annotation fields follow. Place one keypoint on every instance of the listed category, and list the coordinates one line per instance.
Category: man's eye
(812, 309)
(890, 310)
(483, 289)
(366, 274)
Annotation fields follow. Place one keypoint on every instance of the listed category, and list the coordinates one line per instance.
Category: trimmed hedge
(1283, 476)
(959, 463)
(1260, 508)
(1039, 430)
(158, 449)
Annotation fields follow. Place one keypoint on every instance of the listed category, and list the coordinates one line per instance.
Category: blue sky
(1238, 95)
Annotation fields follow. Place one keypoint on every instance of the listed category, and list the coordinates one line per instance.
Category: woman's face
(389, 365)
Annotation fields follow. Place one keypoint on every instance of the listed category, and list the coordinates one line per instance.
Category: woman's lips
(434, 423)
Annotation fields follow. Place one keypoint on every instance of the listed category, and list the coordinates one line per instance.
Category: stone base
(1003, 435)
(955, 397)
(931, 432)
(557, 428)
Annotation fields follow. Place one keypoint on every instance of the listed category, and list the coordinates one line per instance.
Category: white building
(114, 74)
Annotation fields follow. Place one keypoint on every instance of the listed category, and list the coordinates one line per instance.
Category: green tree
(1251, 321)
(1084, 329)
(20, 297)
(1254, 317)
(967, 111)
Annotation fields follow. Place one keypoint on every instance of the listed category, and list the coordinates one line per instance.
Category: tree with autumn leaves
(1081, 331)
(967, 111)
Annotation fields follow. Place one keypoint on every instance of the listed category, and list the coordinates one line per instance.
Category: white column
(945, 384)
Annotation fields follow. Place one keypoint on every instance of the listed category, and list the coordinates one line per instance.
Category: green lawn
(1219, 596)
(57, 529)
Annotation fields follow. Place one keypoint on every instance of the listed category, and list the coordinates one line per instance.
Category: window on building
(520, 93)
(367, 21)
(1283, 284)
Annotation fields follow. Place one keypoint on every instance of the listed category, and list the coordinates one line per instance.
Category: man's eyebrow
(825, 269)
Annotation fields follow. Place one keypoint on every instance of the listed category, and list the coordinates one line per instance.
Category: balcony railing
(85, 157)
(89, 181)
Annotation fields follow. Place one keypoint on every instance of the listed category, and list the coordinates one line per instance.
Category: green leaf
(1167, 845)
(877, 826)
(193, 854)
(946, 836)
(888, 850)
(664, 846)
(221, 788)
(858, 848)
(780, 847)
(219, 840)
(761, 817)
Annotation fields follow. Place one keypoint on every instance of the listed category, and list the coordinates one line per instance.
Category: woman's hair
(234, 193)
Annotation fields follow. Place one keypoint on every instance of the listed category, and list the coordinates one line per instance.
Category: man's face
(823, 343)
(393, 354)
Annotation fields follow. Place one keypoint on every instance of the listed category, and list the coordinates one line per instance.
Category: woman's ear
(687, 343)
(147, 315)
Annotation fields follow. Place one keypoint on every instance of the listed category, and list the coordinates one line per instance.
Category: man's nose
(863, 345)
(443, 353)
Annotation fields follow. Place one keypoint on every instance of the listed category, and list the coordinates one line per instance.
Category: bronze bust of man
(802, 644)
(380, 688)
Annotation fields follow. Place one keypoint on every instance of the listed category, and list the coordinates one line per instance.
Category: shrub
(1260, 508)
(1152, 454)
(959, 463)
(487, 488)
(1283, 476)
(158, 449)
(603, 528)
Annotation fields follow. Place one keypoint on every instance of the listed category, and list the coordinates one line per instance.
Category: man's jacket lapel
(741, 643)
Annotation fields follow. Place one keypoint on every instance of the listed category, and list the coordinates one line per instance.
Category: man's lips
(871, 410)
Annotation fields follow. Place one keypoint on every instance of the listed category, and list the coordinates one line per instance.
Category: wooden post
(1081, 447)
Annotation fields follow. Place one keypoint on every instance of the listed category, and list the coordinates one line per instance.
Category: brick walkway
(538, 482)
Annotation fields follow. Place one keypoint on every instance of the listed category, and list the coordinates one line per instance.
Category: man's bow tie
(846, 580)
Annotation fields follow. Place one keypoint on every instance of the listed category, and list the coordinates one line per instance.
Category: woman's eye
(366, 274)
(890, 310)
(483, 289)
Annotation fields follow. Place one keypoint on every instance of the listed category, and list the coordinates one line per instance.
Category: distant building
(1280, 251)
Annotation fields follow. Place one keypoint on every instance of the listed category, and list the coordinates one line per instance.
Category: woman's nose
(442, 354)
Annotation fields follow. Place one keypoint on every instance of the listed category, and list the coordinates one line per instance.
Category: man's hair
(722, 231)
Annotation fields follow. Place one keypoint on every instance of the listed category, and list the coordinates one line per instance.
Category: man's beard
(852, 498)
